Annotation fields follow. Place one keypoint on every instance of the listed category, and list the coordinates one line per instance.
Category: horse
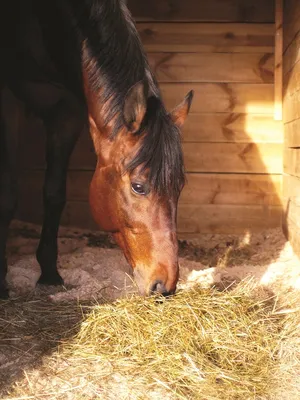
(80, 65)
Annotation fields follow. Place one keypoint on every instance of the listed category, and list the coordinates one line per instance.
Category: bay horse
(78, 64)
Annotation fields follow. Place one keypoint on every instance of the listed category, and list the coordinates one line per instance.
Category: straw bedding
(223, 336)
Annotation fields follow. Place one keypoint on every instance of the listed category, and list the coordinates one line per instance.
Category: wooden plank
(291, 23)
(222, 97)
(292, 133)
(292, 233)
(201, 37)
(291, 189)
(291, 212)
(232, 128)
(232, 189)
(195, 10)
(292, 80)
(233, 158)
(291, 161)
(291, 106)
(209, 128)
(292, 54)
(203, 67)
(203, 157)
(192, 220)
(291, 222)
(278, 60)
(226, 219)
(200, 188)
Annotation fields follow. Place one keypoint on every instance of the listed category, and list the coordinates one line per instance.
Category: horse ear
(180, 112)
(135, 106)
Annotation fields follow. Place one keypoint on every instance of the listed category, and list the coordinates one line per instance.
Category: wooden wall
(232, 145)
(291, 116)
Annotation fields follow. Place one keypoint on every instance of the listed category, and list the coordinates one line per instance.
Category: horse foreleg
(63, 126)
(8, 175)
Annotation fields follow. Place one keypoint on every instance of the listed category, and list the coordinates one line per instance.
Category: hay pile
(201, 344)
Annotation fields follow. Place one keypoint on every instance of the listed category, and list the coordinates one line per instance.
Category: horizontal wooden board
(213, 37)
(227, 219)
(291, 161)
(191, 220)
(292, 133)
(232, 189)
(232, 128)
(195, 10)
(222, 97)
(205, 67)
(206, 127)
(291, 22)
(227, 157)
(225, 189)
(199, 157)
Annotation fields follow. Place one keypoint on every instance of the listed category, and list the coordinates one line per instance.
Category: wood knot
(229, 35)
(148, 32)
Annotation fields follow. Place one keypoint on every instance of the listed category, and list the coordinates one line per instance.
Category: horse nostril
(159, 287)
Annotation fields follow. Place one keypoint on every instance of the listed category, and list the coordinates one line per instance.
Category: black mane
(115, 60)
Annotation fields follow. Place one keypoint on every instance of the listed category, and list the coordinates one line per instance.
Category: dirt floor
(94, 269)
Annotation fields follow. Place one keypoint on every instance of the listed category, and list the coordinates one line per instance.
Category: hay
(200, 344)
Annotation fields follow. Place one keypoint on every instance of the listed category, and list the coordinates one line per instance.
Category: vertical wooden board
(278, 60)
(205, 67)
(291, 161)
(291, 55)
(291, 23)
(195, 10)
(292, 133)
(292, 80)
(233, 158)
(222, 97)
(291, 232)
(231, 189)
(291, 106)
(226, 219)
(291, 189)
(232, 127)
(201, 37)
(291, 212)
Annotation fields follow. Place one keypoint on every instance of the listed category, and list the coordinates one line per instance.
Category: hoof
(4, 294)
(53, 279)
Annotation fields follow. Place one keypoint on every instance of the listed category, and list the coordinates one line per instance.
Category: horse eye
(138, 188)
